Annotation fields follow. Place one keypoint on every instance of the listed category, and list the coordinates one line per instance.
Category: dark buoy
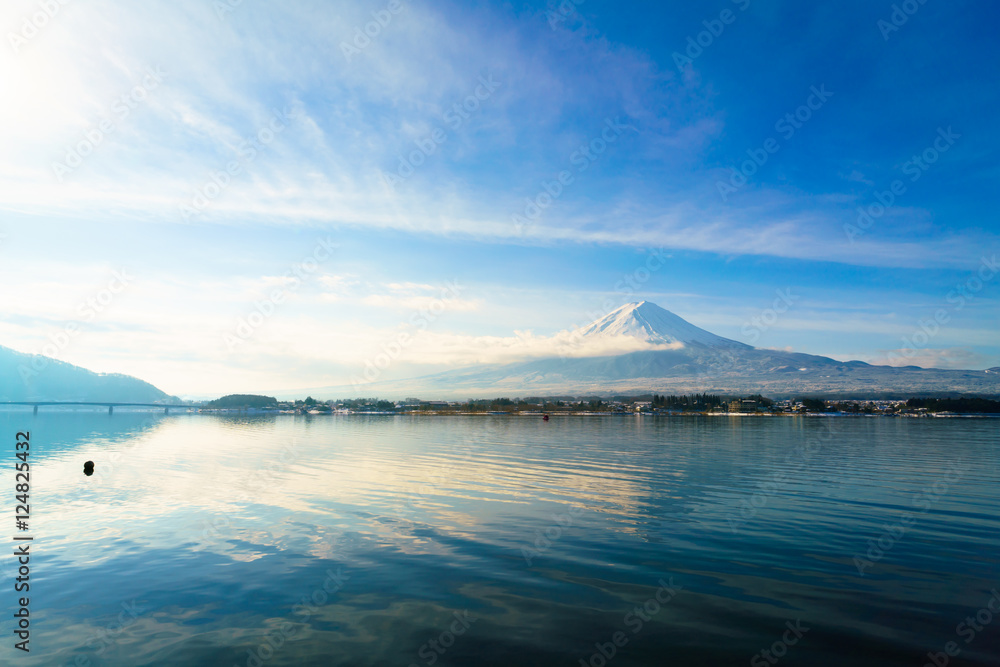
(88, 468)
(545, 418)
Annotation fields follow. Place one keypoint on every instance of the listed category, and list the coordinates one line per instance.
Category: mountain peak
(649, 322)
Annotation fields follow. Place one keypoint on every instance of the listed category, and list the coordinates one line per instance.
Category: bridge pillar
(36, 409)
(111, 410)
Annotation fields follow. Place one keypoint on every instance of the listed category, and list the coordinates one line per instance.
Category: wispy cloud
(355, 119)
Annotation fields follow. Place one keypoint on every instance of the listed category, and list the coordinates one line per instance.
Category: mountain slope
(29, 377)
(697, 361)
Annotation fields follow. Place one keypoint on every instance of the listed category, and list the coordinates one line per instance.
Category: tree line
(692, 402)
(962, 405)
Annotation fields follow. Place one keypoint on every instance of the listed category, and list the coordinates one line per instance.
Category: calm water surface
(403, 540)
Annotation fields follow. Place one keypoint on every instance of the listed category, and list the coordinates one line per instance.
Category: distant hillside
(244, 401)
(30, 377)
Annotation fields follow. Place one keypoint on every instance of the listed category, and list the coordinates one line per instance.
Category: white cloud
(325, 167)
(453, 349)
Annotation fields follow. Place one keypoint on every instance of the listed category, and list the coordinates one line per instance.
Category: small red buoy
(545, 417)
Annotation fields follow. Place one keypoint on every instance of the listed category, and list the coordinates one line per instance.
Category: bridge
(111, 406)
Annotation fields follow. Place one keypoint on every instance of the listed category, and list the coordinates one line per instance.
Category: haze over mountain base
(698, 361)
(761, 371)
(680, 358)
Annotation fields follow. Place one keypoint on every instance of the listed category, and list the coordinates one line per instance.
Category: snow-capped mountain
(650, 323)
(681, 358)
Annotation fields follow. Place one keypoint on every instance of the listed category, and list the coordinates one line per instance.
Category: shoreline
(438, 413)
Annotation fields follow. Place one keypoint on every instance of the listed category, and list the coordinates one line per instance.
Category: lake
(490, 540)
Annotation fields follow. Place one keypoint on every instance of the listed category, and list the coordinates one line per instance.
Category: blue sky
(164, 100)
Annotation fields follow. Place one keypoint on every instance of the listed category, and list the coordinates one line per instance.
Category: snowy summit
(650, 323)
